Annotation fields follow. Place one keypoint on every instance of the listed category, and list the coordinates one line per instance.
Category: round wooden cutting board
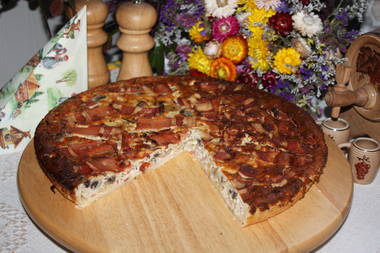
(176, 209)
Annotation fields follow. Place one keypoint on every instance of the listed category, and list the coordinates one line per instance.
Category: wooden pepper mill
(97, 11)
(135, 20)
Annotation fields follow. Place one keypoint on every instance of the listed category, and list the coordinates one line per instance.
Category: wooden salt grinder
(97, 12)
(135, 22)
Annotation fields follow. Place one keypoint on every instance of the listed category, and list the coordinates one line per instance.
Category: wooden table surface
(176, 209)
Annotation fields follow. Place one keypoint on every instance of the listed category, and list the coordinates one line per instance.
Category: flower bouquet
(286, 47)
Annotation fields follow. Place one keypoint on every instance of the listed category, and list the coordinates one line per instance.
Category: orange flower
(235, 48)
(223, 68)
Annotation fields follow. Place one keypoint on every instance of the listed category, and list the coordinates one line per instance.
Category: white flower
(242, 17)
(212, 49)
(220, 8)
(267, 4)
(308, 24)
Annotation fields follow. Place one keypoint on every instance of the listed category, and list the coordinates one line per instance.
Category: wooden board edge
(88, 248)
(50, 230)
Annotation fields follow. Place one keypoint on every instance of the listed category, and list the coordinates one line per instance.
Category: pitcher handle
(345, 145)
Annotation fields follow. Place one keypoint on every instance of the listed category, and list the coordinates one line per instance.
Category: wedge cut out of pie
(261, 152)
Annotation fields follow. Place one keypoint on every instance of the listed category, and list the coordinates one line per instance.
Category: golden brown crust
(270, 149)
(260, 216)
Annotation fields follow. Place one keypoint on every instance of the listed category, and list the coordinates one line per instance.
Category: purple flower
(173, 64)
(181, 13)
(325, 67)
(168, 11)
(323, 87)
(183, 51)
(321, 112)
(343, 17)
(305, 90)
(287, 95)
(283, 84)
(283, 7)
(187, 19)
(351, 35)
(206, 30)
(306, 73)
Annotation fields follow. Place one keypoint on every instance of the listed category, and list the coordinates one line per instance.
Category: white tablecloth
(359, 233)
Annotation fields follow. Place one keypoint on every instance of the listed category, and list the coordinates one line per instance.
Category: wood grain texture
(176, 209)
(97, 11)
(135, 22)
(361, 126)
(358, 79)
(355, 84)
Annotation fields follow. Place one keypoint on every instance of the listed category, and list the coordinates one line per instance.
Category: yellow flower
(246, 5)
(197, 32)
(234, 48)
(286, 60)
(261, 16)
(258, 50)
(256, 31)
(199, 61)
(257, 43)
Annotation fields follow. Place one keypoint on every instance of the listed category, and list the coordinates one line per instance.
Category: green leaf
(36, 94)
(30, 101)
(38, 77)
(156, 58)
(54, 95)
(69, 77)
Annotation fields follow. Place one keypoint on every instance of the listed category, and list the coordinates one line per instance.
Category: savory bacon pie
(261, 152)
